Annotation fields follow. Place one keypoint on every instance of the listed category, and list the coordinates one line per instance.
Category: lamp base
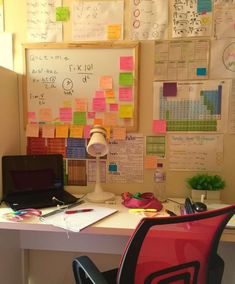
(99, 197)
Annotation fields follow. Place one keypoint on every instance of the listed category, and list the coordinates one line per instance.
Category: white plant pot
(196, 195)
(213, 194)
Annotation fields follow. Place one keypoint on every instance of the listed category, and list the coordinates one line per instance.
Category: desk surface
(121, 223)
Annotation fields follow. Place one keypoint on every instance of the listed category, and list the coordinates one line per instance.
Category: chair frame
(126, 271)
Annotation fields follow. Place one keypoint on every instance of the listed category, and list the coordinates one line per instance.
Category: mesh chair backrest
(173, 248)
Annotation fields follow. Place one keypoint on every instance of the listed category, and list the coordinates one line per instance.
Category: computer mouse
(199, 206)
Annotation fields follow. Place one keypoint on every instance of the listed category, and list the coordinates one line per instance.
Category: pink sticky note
(91, 114)
(32, 130)
(125, 94)
(99, 94)
(113, 107)
(159, 126)
(65, 114)
(86, 131)
(31, 115)
(99, 104)
(126, 63)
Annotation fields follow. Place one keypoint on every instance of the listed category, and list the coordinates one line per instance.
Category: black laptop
(34, 181)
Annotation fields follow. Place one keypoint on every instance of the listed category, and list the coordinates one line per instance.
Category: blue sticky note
(112, 167)
(204, 6)
(201, 71)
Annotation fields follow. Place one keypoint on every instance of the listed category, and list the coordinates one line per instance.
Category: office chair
(164, 250)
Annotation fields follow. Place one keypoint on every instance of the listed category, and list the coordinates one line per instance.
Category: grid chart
(192, 114)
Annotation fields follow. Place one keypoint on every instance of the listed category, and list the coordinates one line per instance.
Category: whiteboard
(56, 76)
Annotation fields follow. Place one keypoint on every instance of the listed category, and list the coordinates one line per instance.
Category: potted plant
(207, 185)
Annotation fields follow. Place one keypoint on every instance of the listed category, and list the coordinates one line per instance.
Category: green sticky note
(62, 14)
(79, 118)
(126, 79)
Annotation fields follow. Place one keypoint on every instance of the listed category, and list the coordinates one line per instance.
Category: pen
(142, 210)
(61, 209)
(77, 211)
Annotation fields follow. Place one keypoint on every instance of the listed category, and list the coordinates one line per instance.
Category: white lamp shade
(97, 146)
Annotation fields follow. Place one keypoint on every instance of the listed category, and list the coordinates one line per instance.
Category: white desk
(106, 236)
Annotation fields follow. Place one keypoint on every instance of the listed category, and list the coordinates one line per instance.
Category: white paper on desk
(78, 221)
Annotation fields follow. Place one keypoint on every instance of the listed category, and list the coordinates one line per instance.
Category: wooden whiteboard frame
(133, 45)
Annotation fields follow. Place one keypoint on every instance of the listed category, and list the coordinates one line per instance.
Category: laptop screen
(28, 173)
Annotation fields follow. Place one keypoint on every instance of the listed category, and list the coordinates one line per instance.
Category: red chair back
(180, 249)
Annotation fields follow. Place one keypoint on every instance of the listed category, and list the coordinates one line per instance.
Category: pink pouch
(141, 200)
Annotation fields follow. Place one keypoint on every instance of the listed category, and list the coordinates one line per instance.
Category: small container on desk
(160, 183)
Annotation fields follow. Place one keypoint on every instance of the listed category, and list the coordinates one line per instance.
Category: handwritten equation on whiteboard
(191, 18)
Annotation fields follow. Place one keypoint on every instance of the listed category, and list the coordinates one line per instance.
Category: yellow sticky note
(110, 118)
(114, 31)
(76, 131)
(1, 2)
(62, 131)
(126, 111)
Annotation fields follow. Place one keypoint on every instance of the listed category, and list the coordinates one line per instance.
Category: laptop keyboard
(40, 200)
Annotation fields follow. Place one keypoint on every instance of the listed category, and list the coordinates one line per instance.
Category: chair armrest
(82, 266)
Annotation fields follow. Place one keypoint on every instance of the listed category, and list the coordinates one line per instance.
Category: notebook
(34, 181)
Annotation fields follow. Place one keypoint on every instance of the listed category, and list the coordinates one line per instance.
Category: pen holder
(141, 200)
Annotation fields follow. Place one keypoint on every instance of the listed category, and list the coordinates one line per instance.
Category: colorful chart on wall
(82, 84)
(191, 106)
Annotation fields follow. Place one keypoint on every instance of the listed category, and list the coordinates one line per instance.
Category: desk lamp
(98, 147)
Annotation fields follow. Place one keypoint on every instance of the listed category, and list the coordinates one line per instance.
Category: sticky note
(106, 82)
(204, 6)
(76, 131)
(65, 113)
(99, 104)
(126, 111)
(79, 117)
(126, 63)
(32, 130)
(114, 31)
(99, 94)
(159, 126)
(45, 114)
(31, 115)
(98, 121)
(150, 162)
(109, 94)
(48, 131)
(86, 131)
(126, 78)
(125, 94)
(62, 131)
(91, 114)
(119, 133)
(110, 118)
(112, 167)
(81, 104)
(201, 71)
(170, 89)
(113, 107)
(62, 14)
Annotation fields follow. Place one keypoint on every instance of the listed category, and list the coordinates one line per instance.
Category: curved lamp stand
(98, 195)
(98, 147)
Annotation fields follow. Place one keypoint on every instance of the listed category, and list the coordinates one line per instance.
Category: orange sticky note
(119, 133)
(62, 131)
(114, 31)
(45, 114)
(150, 162)
(110, 118)
(106, 82)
